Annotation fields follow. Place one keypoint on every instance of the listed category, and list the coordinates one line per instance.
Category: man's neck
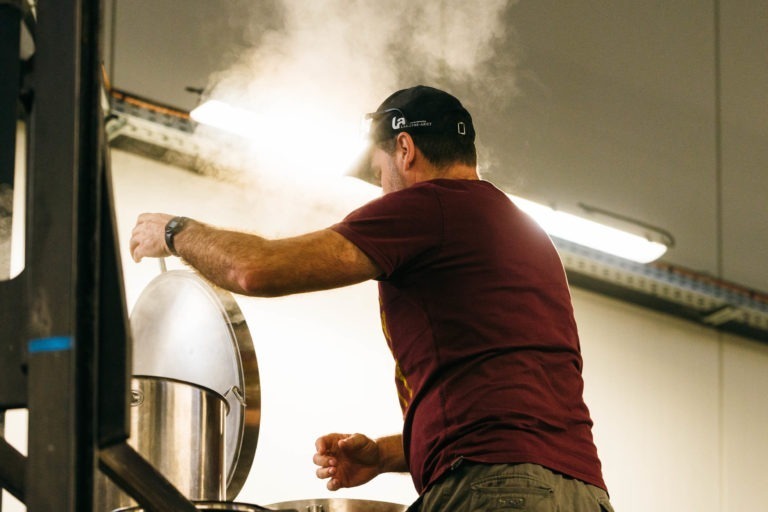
(454, 172)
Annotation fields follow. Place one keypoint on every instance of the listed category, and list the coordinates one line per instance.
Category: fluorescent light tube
(286, 136)
(230, 119)
(592, 234)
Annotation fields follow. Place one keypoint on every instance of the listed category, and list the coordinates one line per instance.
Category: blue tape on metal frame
(54, 344)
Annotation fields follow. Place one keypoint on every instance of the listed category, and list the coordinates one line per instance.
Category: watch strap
(172, 228)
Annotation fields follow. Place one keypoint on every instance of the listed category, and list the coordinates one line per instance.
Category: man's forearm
(251, 265)
(222, 256)
(391, 454)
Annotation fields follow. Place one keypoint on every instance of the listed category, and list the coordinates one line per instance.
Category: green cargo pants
(473, 487)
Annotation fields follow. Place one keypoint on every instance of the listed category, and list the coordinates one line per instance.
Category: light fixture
(618, 242)
(288, 136)
(218, 114)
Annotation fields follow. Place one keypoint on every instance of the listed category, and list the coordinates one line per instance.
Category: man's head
(437, 123)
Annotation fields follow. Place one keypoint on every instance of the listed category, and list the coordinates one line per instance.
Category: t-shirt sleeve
(397, 228)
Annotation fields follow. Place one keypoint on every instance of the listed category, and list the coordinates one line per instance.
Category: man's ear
(406, 149)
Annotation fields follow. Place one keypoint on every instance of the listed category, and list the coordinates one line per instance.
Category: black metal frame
(64, 335)
(12, 390)
(10, 34)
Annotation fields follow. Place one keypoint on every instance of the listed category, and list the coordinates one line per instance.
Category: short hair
(440, 150)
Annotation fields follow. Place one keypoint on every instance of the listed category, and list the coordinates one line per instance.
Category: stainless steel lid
(220, 506)
(187, 329)
(339, 505)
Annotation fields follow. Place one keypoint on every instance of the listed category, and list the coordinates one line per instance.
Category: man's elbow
(255, 282)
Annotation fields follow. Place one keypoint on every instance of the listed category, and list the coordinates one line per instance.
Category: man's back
(477, 312)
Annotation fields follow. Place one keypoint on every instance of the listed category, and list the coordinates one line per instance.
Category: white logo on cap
(398, 122)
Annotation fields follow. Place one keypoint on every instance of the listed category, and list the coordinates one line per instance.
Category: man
(475, 307)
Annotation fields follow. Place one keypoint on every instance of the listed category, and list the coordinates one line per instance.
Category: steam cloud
(369, 47)
(347, 56)
(334, 60)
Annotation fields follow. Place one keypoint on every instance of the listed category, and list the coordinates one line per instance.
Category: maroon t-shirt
(476, 309)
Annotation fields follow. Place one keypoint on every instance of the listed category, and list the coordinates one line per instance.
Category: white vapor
(314, 73)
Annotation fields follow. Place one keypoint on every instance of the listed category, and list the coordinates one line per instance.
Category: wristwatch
(174, 226)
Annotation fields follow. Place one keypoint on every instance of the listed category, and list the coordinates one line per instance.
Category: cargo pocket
(602, 498)
(511, 494)
(605, 505)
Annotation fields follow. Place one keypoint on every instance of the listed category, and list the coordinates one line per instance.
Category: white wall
(679, 410)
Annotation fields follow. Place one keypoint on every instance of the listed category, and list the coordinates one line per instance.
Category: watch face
(174, 224)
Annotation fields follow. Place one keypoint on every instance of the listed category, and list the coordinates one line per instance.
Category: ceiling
(651, 110)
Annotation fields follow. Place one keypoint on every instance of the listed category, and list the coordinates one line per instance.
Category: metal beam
(114, 344)
(12, 379)
(10, 35)
(141, 480)
(61, 256)
(11, 466)
(12, 470)
(702, 299)
(13, 314)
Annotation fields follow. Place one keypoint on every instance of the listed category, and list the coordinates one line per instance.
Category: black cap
(421, 109)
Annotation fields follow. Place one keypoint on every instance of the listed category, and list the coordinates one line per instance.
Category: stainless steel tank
(196, 396)
(180, 429)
